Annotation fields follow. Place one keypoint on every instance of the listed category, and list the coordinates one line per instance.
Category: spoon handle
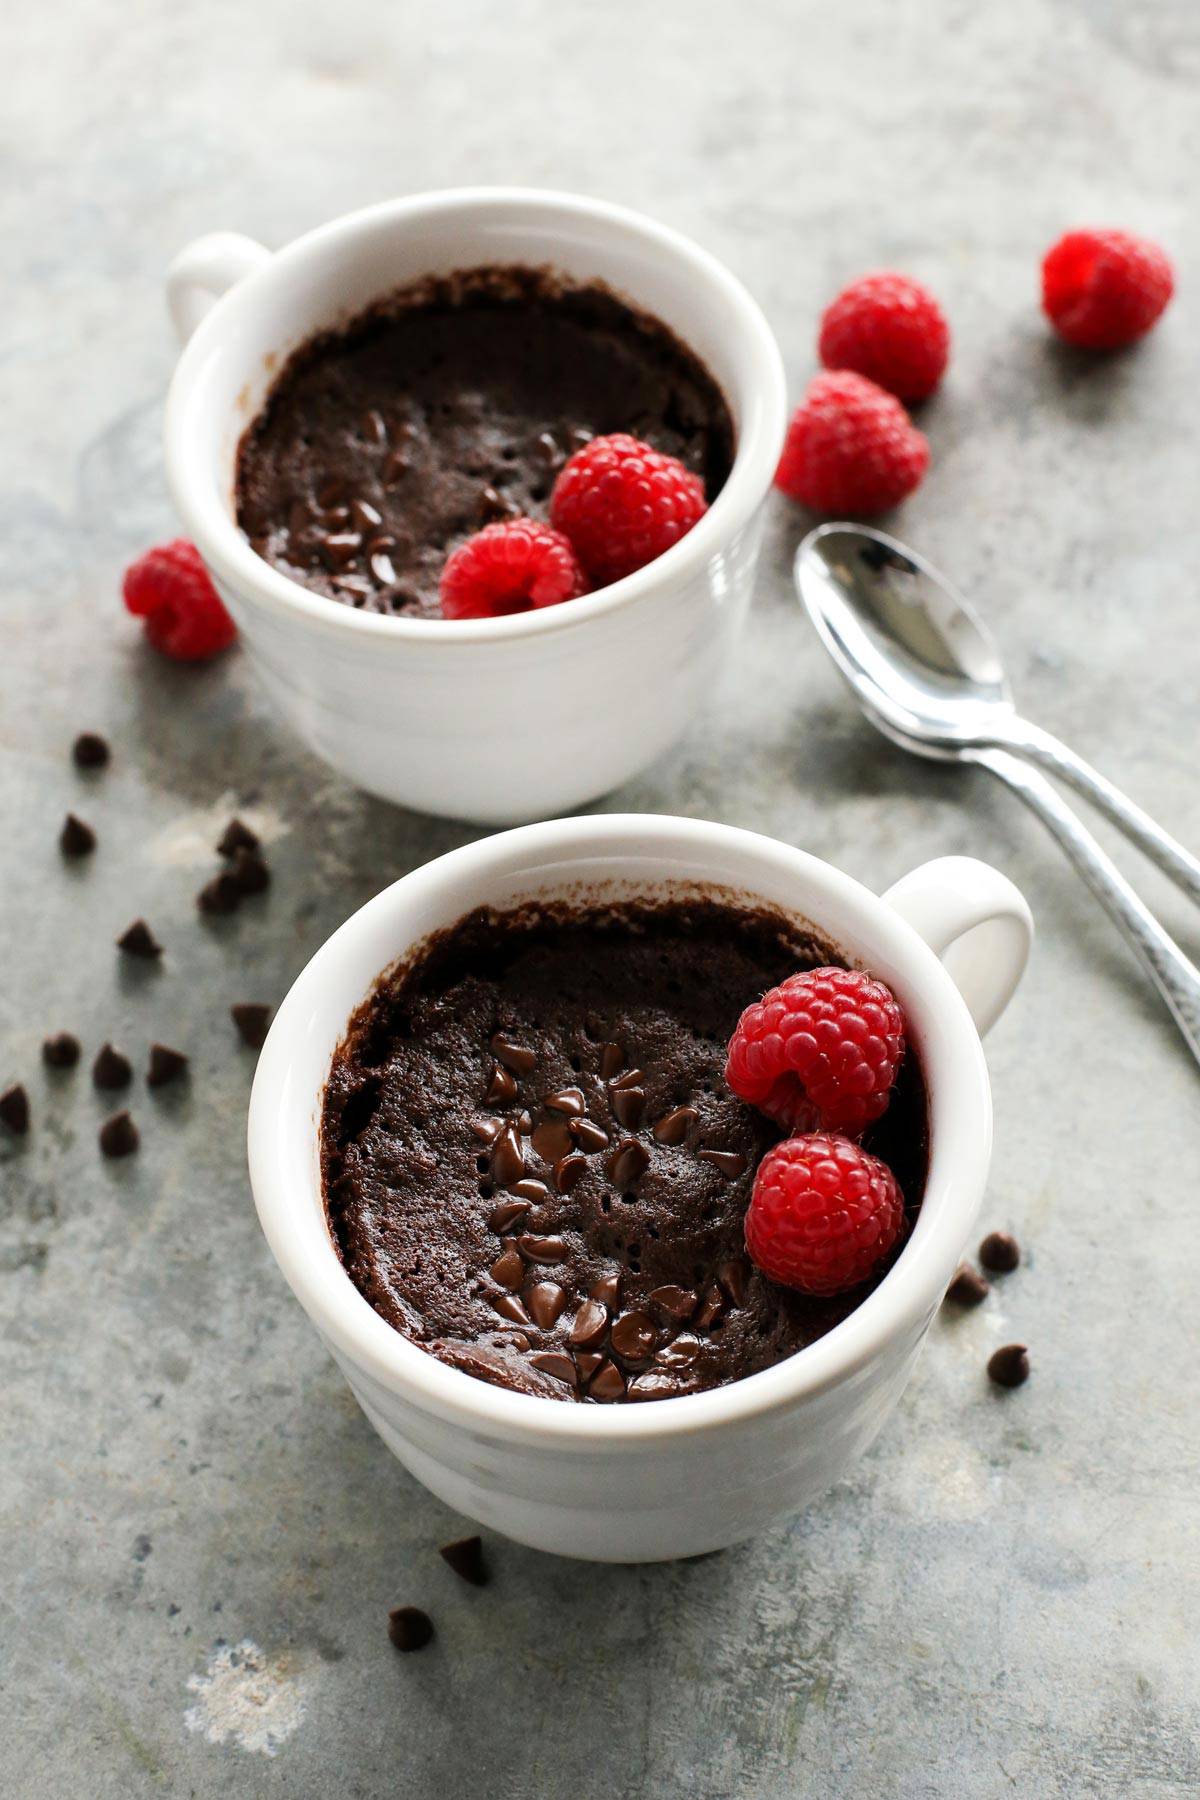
(1038, 746)
(1177, 979)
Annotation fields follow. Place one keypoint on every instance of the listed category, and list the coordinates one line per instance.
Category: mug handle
(976, 921)
(206, 269)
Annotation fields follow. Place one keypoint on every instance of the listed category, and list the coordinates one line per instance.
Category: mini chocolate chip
(517, 1057)
(968, 1287)
(1000, 1252)
(236, 836)
(633, 1336)
(607, 1290)
(672, 1128)
(531, 1190)
(653, 1384)
(607, 1383)
(465, 1557)
(567, 1171)
(501, 1088)
(341, 547)
(544, 1302)
(375, 432)
(589, 1137)
(165, 1065)
(566, 1100)
(728, 1163)
(628, 1105)
(508, 1158)
(487, 1130)
(682, 1353)
(118, 1135)
(712, 1305)
(220, 895)
(509, 1307)
(632, 1078)
(76, 838)
(552, 1139)
(250, 872)
(591, 1323)
(365, 516)
(547, 450)
(138, 940)
(541, 1249)
(61, 1051)
(676, 1304)
(557, 1364)
(508, 1270)
(382, 568)
(409, 1628)
(332, 491)
(252, 1020)
(628, 1161)
(1009, 1366)
(14, 1109)
(507, 1213)
(111, 1069)
(733, 1277)
(395, 469)
(612, 1058)
(90, 750)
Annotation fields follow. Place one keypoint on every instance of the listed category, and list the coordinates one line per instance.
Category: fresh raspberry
(823, 1214)
(1103, 289)
(622, 504)
(819, 1052)
(850, 447)
(169, 589)
(509, 567)
(890, 329)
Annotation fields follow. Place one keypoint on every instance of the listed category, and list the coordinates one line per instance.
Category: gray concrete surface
(1002, 1600)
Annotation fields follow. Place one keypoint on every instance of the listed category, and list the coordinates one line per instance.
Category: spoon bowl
(919, 660)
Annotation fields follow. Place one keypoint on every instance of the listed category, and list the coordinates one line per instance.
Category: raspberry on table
(1102, 290)
(851, 448)
(823, 1214)
(622, 504)
(171, 591)
(889, 328)
(819, 1052)
(512, 566)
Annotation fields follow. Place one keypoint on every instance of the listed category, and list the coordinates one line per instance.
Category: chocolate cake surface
(383, 446)
(533, 1167)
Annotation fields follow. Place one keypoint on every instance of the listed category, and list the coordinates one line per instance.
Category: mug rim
(959, 1099)
(756, 454)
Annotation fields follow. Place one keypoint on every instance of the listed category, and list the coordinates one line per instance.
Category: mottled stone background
(1002, 1599)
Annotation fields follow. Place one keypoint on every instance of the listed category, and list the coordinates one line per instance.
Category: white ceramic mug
(490, 719)
(671, 1477)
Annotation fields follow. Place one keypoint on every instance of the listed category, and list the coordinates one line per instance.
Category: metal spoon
(927, 673)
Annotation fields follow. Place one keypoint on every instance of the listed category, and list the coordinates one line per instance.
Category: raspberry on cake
(1102, 290)
(889, 328)
(622, 504)
(170, 590)
(513, 566)
(851, 448)
(819, 1051)
(824, 1214)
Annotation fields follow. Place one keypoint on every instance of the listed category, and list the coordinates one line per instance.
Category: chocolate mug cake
(451, 404)
(533, 1166)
